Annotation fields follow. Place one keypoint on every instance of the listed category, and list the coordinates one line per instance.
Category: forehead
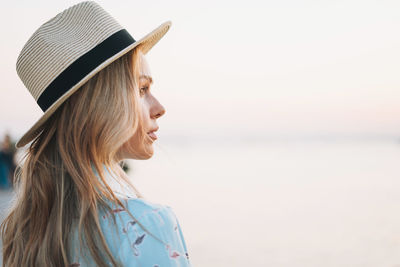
(146, 77)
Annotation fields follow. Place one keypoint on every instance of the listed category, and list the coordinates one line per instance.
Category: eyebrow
(149, 78)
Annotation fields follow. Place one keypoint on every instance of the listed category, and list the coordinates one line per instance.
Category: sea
(290, 202)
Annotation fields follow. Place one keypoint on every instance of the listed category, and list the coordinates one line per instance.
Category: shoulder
(156, 222)
(136, 210)
(142, 208)
(159, 243)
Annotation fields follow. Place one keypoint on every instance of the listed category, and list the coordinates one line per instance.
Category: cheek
(145, 106)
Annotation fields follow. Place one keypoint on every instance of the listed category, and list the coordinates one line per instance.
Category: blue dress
(130, 244)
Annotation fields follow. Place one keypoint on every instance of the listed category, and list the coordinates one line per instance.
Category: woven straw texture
(60, 41)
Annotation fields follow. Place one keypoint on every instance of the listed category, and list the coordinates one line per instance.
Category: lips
(152, 134)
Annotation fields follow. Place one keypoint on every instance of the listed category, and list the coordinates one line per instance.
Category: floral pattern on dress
(135, 246)
(142, 245)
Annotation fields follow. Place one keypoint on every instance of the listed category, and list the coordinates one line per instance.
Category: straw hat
(69, 49)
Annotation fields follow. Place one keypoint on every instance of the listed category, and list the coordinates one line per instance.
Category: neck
(115, 182)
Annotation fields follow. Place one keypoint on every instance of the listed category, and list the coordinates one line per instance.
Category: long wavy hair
(56, 185)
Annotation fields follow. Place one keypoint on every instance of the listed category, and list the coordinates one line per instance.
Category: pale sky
(244, 67)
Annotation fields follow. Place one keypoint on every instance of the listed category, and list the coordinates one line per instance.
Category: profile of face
(151, 109)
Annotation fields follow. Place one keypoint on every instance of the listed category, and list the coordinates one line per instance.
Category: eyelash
(145, 88)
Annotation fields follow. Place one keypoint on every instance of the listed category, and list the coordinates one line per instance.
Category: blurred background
(280, 145)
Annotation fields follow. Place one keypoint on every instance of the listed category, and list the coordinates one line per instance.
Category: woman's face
(151, 111)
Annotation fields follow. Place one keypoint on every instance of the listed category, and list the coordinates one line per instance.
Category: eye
(145, 88)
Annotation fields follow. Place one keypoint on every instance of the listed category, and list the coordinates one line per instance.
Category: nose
(157, 110)
(160, 113)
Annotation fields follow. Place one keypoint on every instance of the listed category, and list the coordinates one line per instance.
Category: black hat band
(83, 66)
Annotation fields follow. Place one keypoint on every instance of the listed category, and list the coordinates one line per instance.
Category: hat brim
(148, 41)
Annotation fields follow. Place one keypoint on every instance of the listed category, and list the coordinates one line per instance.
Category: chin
(143, 156)
(145, 152)
(138, 157)
(149, 156)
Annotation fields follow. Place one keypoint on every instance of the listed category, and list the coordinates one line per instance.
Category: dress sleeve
(138, 248)
(179, 229)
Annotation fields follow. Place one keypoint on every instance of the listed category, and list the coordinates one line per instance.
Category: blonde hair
(56, 186)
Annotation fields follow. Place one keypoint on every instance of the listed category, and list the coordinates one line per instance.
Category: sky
(226, 68)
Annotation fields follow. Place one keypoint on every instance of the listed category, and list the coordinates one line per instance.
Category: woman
(74, 204)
